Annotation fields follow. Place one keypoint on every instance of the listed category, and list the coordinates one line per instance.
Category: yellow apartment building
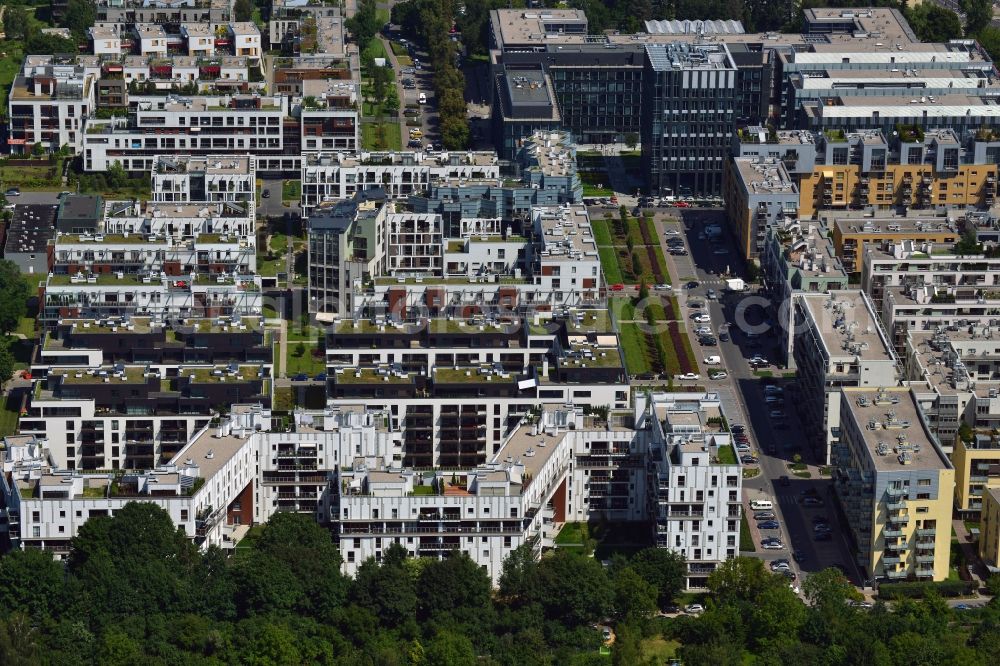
(989, 530)
(977, 469)
(895, 485)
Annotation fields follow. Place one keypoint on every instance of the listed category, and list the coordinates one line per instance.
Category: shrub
(919, 590)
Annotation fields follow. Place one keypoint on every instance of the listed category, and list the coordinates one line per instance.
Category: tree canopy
(135, 589)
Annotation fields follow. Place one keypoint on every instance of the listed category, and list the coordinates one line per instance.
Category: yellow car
(415, 133)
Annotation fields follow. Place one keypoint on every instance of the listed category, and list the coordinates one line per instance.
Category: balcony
(925, 559)
(891, 559)
(889, 532)
(896, 505)
(895, 575)
(926, 532)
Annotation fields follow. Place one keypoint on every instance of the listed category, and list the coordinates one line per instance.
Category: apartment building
(290, 73)
(207, 488)
(916, 287)
(852, 236)
(895, 486)
(543, 173)
(989, 530)
(245, 38)
(128, 393)
(838, 342)
(126, 12)
(953, 375)
(920, 168)
(757, 194)
(977, 473)
(693, 496)
(49, 102)
(798, 257)
(184, 179)
(328, 177)
(204, 125)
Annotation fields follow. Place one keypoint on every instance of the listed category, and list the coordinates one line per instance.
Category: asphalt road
(774, 442)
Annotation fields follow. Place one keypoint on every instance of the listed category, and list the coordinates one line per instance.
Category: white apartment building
(215, 178)
(50, 101)
(105, 40)
(839, 342)
(341, 175)
(206, 488)
(205, 125)
(917, 288)
(246, 39)
(200, 39)
(151, 38)
(208, 72)
(693, 497)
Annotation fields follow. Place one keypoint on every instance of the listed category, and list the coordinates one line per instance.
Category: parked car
(301, 377)
(671, 232)
(742, 447)
(738, 429)
(701, 318)
(707, 341)
(703, 330)
(749, 460)
(776, 564)
(678, 251)
(724, 336)
(662, 287)
(713, 360)
(681, 204)
(265, 194)
(823, 536)
(694, 609)
(769, 525)
(718, 375)
(617, 287)
(812, 501)
(12, 192)
(772, 544)
(696, 304)
(764, 515)
(710, 294)
(721, 250)
(321, 377)
(687, 376)
(693, 284)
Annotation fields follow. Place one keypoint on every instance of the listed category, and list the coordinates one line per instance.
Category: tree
(572, 588)
(6, 363)
(391, 103)
(15, 23)
(243, 10)
(738, 578)
(993, 585)
(978, 15)
(631, 140)
(364, 25)
(31, 582)
(117, 176)
(450, 649)
(934, 23)
(455, 588)
(634, 598)
(664, 569)
(14, 293)
(386, 589)
(829, 589)
(517, 576)
(79, 16)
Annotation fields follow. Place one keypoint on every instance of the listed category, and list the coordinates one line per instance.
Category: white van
(761, 505)
(422, 98)
(713, 360)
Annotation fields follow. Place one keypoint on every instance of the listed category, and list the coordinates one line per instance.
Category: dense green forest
(135, 590)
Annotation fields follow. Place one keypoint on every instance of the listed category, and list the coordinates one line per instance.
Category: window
(924, 482)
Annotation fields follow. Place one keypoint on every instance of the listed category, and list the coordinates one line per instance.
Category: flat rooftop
(875, 226)
(765, 177)
(210, 164)
(523, 26)
(944, 106)
(209, 452)
(31, 228)
(691, 57)
(533, 451)
(898, 441)
(848, 327)
(553, 151)
(566, 233)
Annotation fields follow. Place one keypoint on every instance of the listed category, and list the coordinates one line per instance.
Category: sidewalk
(404, 132)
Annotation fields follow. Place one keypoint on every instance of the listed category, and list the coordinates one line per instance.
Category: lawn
(10, 65)
(270, 312)
(44, 176)
(609, 262)
(307, 363)
(658, 650)
(594, 184)
(727, 456)
(291, 190)
(398, 49)
(8, 417)
(26, 327)
(746, 539)
(634, 344)
(573, 534)
(386, 138)
(622, 309)
(602, 234)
